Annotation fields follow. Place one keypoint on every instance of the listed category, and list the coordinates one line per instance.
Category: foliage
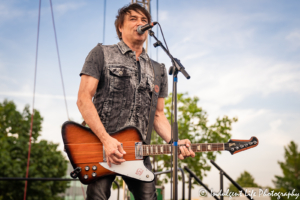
(192, 125)
(291, 171)
(45, 160)
(244, 180)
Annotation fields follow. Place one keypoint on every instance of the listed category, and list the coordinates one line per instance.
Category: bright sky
(243, 57)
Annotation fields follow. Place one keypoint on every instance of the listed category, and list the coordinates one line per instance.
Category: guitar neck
(161, 149)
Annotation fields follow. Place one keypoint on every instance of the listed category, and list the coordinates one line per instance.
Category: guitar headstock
(235, 146)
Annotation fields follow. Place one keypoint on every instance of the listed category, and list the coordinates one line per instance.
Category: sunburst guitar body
(87, 155)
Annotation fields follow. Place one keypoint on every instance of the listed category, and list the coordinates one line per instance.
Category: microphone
(141, 29)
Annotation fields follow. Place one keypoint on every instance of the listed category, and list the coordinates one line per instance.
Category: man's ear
(120, 29)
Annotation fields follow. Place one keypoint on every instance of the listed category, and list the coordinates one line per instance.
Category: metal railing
(192, 175)
(222, 173)
(183, 182)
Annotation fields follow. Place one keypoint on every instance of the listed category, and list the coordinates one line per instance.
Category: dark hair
(126, 10)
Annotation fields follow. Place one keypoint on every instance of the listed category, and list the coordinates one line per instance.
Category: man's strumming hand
(113, 151)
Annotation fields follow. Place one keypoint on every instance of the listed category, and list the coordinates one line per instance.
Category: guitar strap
(157, 81)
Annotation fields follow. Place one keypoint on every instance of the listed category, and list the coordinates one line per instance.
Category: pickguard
(134, 169)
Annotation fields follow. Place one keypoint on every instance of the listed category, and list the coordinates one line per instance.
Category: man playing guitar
(115, 91)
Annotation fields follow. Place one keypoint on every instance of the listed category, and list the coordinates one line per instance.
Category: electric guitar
(87, 154)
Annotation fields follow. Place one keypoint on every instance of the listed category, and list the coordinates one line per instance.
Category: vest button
(120, 73)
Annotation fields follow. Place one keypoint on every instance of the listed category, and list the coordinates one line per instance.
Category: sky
(243, 58)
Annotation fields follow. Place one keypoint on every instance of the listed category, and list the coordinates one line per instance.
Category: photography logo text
(252, 193)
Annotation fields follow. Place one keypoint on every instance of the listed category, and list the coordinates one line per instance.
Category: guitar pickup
(104, 155)
(138, 150)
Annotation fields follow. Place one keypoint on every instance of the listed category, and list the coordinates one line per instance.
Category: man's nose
(141, 22)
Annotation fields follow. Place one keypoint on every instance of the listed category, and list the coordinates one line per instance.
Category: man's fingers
(118, 154)
(192, 153)
(182, 151)
(180, 157)
(108, 161)
(121, 150)
(115, 160)
(185, 152)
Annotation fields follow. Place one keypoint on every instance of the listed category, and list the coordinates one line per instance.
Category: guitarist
(115, 91)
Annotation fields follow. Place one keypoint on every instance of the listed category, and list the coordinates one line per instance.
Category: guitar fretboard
(167, 148)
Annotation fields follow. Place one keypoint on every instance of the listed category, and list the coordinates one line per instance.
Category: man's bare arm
(163, 129)
(161, 123)
(87, 89)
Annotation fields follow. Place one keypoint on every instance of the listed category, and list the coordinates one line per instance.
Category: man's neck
(137, 47)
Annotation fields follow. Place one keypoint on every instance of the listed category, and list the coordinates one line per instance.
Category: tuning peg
(255, 142)
(242, 146)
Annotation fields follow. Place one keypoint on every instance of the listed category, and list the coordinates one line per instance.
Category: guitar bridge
(138, 150)
(104, 155)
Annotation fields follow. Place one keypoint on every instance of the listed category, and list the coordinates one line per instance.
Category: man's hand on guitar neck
(185, 151)
(113, 151)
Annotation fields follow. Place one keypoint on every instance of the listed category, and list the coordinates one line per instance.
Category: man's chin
(139, 40)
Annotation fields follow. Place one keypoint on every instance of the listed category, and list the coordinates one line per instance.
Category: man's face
(129, 29)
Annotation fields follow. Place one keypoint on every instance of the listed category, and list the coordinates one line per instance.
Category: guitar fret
(203, 147)
(209, 147)
(167, 148)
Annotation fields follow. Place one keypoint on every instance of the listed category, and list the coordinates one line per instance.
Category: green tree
(192, 125)
(291, 171)
(45, 160)
(244, 180)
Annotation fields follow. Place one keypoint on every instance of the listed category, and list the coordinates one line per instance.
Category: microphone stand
(177, 67)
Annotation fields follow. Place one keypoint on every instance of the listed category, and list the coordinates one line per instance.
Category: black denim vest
(121, 100)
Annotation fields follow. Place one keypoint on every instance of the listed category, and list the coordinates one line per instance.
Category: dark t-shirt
(139, 70)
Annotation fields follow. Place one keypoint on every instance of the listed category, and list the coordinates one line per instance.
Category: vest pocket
(119, 77)
(121, 94)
